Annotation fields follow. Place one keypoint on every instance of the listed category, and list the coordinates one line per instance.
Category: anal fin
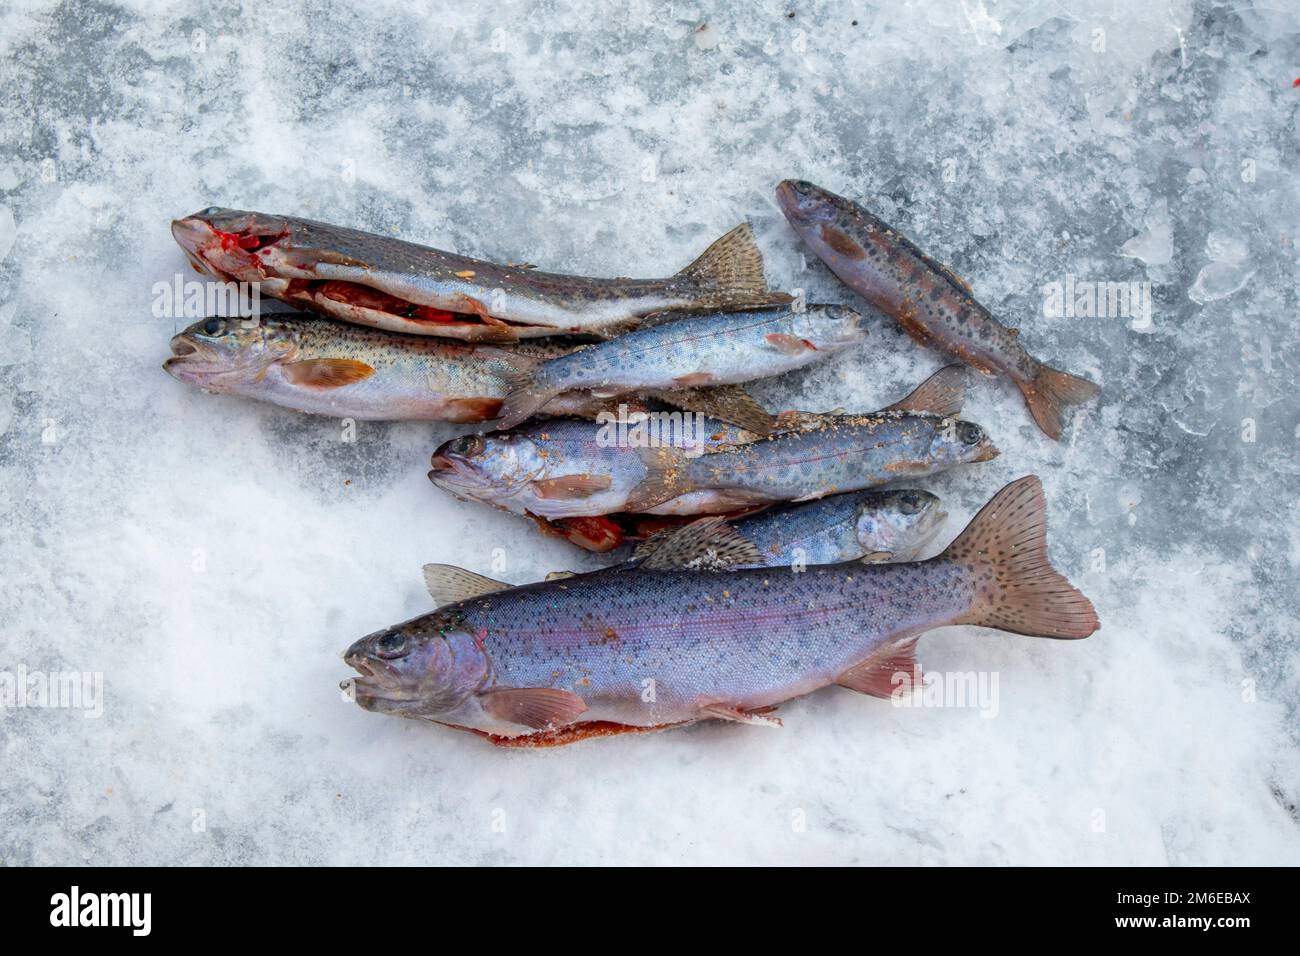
(893, 669)
(760, 717)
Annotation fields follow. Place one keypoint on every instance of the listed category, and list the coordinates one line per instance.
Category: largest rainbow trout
(927, 299)
(663, 644)
(404, 287)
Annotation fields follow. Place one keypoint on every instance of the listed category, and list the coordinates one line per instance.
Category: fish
(401, 286)
(690, 354)
(893, 525)
(829, 454)
(932, 303)
(325, 367)
(890, 525)
(684, 637)
(571, 469)
(564, 469)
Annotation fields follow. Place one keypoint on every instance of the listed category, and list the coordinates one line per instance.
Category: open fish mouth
(292, 274)
(198, 363)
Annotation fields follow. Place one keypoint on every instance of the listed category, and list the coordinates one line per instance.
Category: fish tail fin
(665, 478)
(730, 273)
(526, 389)
(1016, 587)
(1048, 394)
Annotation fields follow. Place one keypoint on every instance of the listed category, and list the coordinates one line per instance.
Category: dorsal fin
(448, 584)
(943, 393)
(730, 273)
(709, 544)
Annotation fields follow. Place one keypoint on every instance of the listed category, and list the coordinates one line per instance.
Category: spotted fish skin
(895, 524)
(525, 470)
(925, 297)
(376, 280)
(692, 352)
(834, 454)
(324, 367)
(644, 648)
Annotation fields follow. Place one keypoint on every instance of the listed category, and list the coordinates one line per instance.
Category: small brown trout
(662, 643)
(928, 299)
(404, 287)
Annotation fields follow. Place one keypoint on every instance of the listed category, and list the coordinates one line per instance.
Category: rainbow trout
(932, 303)
(333, 368)
(570, 469)
(662, 644)
(404, 287)
(690, 353)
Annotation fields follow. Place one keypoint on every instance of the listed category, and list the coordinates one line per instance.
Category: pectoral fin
(790, 344)
(571, 486)
(326, 373)
(541, 708)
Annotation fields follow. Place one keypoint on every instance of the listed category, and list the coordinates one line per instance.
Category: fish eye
(467, 446)
(212, 327)
(969, 433)
(909, 504)
(391, 645)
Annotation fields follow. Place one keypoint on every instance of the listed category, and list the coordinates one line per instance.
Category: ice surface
(210, 557)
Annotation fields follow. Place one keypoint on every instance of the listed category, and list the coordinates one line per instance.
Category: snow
(210, 557)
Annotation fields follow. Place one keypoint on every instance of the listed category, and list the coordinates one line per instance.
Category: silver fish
(843, 453)
(663, 644)
(333, 368)
(557, 469)
(404, 287)
(690, 353)
(892, 525)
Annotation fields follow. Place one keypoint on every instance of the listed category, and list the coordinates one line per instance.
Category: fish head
(806, 204)
(221, 352)
(227, 243)
(901, 522)
(827, 327)
(422, 668)
(491, 468)
(958, 442)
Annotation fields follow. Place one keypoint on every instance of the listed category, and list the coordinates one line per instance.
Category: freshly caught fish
(569, 469)
(881, 525)
(932, 303)
(404, 287)
(834, 454)
(333, 368)
(893, 525)
(664, 644)
(690, 353)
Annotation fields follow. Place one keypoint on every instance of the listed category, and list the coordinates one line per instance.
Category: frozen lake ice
(208, 557)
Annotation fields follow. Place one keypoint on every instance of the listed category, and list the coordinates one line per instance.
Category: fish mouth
(987, 453)
(197, 363)
(802, 202)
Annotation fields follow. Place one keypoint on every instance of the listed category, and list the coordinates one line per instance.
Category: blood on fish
(574, 733)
